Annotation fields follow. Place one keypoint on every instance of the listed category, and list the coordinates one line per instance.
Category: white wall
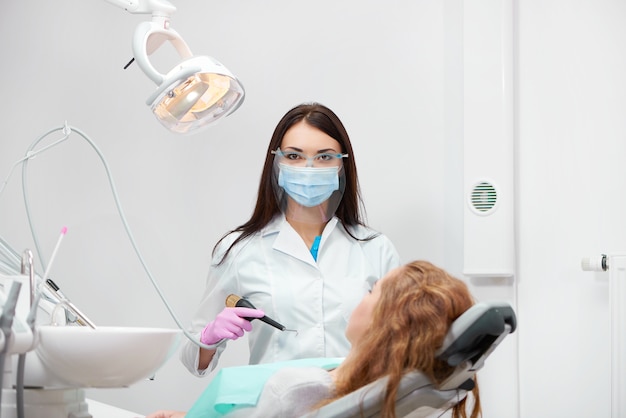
(393, 73)
(571, 179)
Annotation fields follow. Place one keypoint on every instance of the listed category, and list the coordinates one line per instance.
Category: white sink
(104, 357)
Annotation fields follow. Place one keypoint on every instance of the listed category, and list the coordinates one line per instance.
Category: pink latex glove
(167, 414)
(230, 323)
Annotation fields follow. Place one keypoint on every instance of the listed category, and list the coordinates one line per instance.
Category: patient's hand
(167, 414)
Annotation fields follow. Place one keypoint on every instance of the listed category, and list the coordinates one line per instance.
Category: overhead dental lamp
(196, 92)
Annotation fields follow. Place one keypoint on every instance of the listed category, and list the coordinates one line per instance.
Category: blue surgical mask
(309, 186)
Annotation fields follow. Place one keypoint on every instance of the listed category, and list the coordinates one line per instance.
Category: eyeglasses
(296, 158)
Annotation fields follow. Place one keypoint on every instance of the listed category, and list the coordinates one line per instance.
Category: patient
(396, 328)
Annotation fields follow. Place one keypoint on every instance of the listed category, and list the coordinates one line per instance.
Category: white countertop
(102, 410)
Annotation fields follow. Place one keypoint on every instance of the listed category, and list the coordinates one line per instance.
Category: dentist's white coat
(275, 270)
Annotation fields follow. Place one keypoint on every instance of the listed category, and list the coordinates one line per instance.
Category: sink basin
(104, 357)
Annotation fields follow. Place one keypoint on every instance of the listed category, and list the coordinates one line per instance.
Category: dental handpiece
(233, 301)
(81, 318)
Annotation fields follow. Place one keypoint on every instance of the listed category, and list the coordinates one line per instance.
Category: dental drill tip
(231, 300)
(292, 330)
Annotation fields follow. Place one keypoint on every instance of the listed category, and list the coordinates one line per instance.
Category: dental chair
(470, 340)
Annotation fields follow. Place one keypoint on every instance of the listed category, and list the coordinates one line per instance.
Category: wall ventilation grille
(483, 198)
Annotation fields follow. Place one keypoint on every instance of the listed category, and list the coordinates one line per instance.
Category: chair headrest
(473, 336)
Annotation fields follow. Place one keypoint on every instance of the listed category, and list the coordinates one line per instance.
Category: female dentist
(305, 258)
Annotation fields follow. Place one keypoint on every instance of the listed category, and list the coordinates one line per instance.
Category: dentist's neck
(307, 230)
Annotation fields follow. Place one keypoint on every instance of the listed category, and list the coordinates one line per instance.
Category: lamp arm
(149, 36)
(154, 7)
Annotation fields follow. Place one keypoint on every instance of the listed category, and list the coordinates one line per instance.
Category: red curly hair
(418, 303)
